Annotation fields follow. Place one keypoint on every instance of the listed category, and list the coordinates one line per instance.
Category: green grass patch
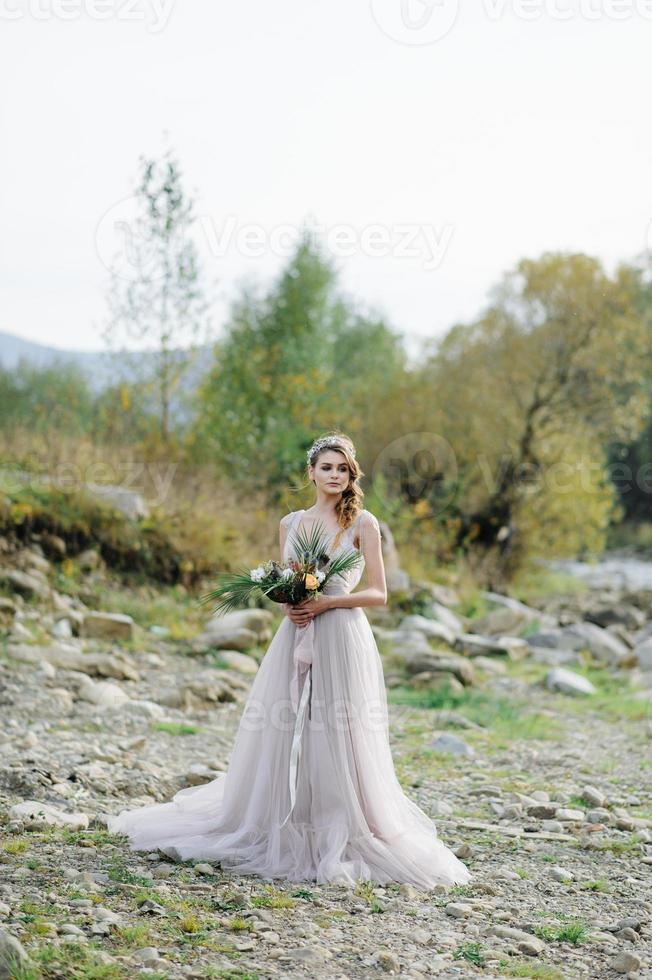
(119, 870)
(176, 728)
(529, 969)
(574, 932)
(471, 952)
(506, 718)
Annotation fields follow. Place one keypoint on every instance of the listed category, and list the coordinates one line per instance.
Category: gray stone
(28, 585)
(626, 963)
(241, 662)
(37, 815)
(12, 956)
(224, 639)
(567, 815)
(643, 653)
(443, 663)
(527, 944)
(101, 693)
(69, 657)
(568, 682)
(593, 797)
(601, 644)
(501, 621)
(108, 626)
(128, 502)
(451, 745)
(473, 645)
(430, 627)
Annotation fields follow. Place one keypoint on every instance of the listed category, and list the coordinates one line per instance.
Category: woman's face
(330, 472)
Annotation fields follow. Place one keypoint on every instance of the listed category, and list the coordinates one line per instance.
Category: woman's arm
(282, 534)
(376, 592)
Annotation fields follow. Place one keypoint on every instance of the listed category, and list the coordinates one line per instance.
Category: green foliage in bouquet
(301, 578)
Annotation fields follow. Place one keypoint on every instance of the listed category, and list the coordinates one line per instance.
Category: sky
(430, 145)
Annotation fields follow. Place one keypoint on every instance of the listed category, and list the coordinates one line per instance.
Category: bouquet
(301, 578)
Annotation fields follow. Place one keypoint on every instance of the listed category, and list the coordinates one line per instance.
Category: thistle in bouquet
(302, 577)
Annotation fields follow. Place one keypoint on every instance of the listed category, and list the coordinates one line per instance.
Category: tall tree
(269, 386)
(158, 295)
(294, 361)
(553, 369)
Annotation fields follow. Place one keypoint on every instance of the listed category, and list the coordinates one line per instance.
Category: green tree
(294, 361)
(554, 366)
(53, 398)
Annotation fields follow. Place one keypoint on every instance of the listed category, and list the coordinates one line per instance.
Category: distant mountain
(98, 366)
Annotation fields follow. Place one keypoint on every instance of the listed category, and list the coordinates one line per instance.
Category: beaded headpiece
(326, 442)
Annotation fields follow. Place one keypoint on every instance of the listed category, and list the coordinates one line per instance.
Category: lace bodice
(344, 583)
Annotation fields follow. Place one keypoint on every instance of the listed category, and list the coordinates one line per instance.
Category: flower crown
(327, 441)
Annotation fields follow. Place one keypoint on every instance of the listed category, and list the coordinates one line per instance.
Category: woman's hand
(293, 613)
(305, 611)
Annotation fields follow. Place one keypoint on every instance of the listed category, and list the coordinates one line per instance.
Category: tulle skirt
(317, 801)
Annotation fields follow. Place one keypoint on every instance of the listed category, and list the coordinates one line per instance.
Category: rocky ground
(526, 734)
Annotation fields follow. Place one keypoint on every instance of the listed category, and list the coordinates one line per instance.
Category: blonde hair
(350, 504)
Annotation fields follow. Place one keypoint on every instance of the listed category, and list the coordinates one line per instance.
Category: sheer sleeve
(369, 530)
(287, 520)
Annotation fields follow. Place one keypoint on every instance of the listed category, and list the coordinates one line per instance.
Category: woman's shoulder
(367, 519)
(288, 518)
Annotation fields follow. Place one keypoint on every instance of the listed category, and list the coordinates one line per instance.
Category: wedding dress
(310, 793)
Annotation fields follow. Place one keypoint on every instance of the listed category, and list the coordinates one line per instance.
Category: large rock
(33, 561)
(528, 612)
(497, 622)
(643, 653)
(555, 639)
(37, 815)
(429, 627)
(443, 662)
(207, 689)
(625, 615)
(239, 630)
(68, 657)
(227, 639)
(140, 709)
(107, 626)
(128, 502)
(259, 621)
(101, 693)
(28, 584)
(473, 646)
(14, 961)
(442, 614)
(568, 682)
(450, 744)
(241, 662)
(601, 644)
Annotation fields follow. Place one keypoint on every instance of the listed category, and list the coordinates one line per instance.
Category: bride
(310, 793)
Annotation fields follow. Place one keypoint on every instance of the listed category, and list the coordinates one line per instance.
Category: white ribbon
(300, 690)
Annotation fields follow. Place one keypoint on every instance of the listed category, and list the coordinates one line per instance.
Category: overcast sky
(434, 145)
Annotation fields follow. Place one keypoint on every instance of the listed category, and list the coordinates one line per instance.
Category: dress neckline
(332, 534)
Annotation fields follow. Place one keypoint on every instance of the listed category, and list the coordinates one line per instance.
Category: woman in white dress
(310, 793)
